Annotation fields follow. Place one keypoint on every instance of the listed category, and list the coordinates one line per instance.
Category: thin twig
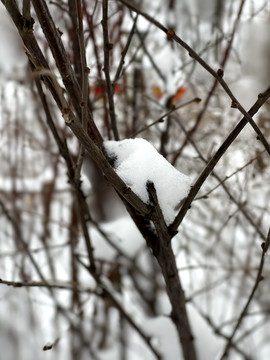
(92, 30)
(21, 240)
(103, 291)
(52, 284)
(84, 68)
(217, 331)
(239, 205)
(124, 52)
(150, 57)
(84, 76)
(218, 75)
(107, 48)
(62, 146)
(161, 119)
(216, 157)
(259, 278)
(63, 64)
(222, 181)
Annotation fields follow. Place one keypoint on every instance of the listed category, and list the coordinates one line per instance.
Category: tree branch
(107, 48)
(164, 254)
(63, 64)
(218, 75)
(216, 157)
(105, 292)
(259, 278)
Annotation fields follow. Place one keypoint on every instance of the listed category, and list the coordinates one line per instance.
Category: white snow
(164, 335)
(137, 162)
(123, 233)
(13, 61)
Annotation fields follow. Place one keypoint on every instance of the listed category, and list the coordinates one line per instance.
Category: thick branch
(38, 60)
(164, 254)
(99, 158)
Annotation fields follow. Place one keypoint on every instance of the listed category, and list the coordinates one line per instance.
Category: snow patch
(123, 233)
(164, 336)
(137, 162)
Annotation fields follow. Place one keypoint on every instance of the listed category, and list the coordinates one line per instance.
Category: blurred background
(51, 308)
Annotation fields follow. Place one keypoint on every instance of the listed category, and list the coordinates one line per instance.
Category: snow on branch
(137, 162)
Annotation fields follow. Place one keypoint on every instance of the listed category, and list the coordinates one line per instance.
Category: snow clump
(137, 162)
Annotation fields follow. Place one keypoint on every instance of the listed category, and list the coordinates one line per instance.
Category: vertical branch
(85, 70)
(107, 48)
(162, 249)
(90, 19)
(137, 87)
(219, 9)
(73, 33)
(84, 76)
(164, 138)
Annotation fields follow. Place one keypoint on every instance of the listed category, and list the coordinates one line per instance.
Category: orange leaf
(157, 92)
(179, 94)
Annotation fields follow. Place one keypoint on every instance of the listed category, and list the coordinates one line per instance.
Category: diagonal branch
(124, 53)
(105, 292)
(53, 37)
(215, 82)
(91, 143)
(240, 206)
(259, 278)
(218, 75)
(216, 157)
(75, 183)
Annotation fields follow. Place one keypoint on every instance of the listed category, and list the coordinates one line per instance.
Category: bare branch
(124, 53)
(69, 79)
(216, 157)
(104, 291)
(218, 75)
(107, 48)
(163, 252)
(259, 279)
